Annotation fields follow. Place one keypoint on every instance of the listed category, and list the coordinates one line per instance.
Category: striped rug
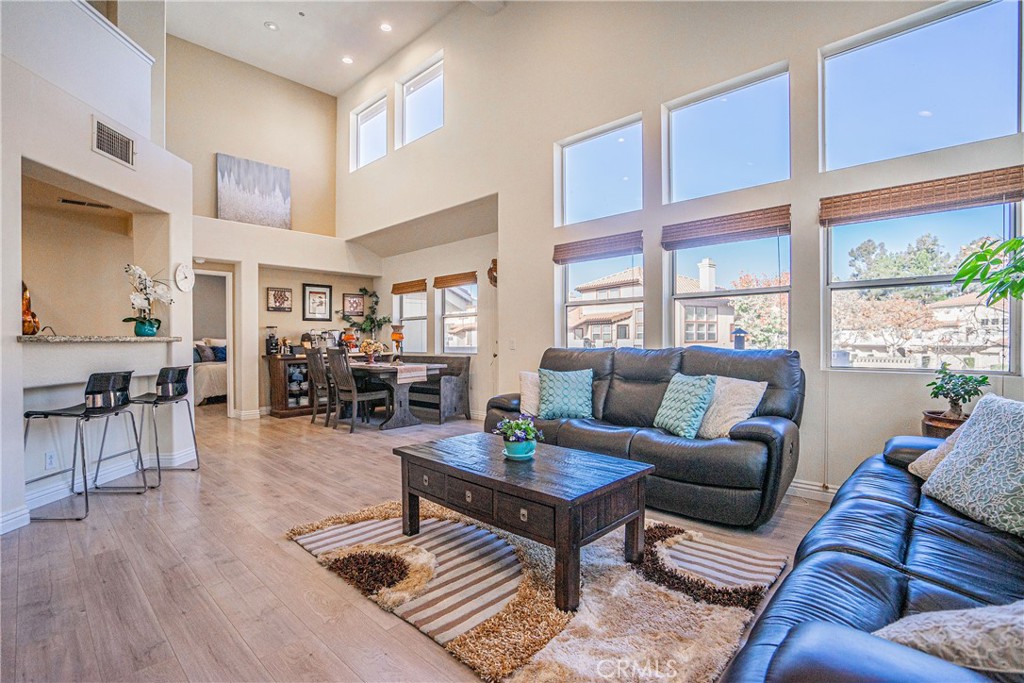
(477, 573)
(722, 564)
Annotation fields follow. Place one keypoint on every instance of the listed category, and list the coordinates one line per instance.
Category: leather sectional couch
(883, 551)
(738, 480)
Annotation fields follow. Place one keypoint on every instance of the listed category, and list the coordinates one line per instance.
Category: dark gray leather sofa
(739, 480)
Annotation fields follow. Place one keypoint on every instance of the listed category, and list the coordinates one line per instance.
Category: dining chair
(346, 390)
(320, 386)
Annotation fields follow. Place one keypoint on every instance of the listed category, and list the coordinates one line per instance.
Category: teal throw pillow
(686, 400)
(566, 394)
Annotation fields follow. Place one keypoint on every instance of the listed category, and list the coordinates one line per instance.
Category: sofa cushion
(736, 507)
(874, 529)
(877, 479)
(598, 360)
(718, 462)
(596, 436)
(684, 404)
(638, 383)
(566, 394)
(779, 368)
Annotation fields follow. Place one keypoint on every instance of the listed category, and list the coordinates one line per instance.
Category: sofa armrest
(507, 402)
(903, 450)
(782, 437)
(819, 651)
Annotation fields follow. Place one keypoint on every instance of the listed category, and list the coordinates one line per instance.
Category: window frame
(404, 319)
(1013, 305)
(904, 25)
(568, 336)
(378, 100)
(419, 76)
(444, 315)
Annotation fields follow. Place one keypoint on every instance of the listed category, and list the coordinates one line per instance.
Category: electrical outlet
(511, 343)
(51, 460)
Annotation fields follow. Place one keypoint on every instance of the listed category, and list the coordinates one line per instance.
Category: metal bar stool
(171, 388)
(106, 396)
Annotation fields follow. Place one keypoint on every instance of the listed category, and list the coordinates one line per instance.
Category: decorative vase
(371, 358)
(934, 425)
(520, 450)
(146, 328)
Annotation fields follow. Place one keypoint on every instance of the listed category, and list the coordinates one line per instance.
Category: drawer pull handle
(426, 480)
(469, 496)
(523, 514)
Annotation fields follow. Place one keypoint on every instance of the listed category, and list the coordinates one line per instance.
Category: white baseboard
(810, 489)
(14, 519)
(118, 467)
(250, 414)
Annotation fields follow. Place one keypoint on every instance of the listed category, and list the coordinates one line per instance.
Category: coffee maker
(273, 345)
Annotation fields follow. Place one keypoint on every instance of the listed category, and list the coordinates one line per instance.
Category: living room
(793, 183)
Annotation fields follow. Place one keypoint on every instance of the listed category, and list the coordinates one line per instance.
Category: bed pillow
(986, 639)
(925, 464)
(220, 353)
(983, 476)
(196, 358)
(566, 394)
(213, 341)
(734, 401)
(205, 353)
(684, 404)
(529, 393)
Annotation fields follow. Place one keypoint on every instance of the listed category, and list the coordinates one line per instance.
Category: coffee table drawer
(426, 480)
(517, 514)
(469, 496)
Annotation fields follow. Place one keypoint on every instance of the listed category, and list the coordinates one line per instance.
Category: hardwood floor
(195, 581)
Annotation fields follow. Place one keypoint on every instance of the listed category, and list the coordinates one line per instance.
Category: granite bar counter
(92, 339)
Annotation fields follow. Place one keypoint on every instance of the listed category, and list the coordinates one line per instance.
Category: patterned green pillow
(686, 400)
(983, 476)
(566, 394)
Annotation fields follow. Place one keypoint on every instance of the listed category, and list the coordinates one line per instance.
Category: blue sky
(946, 84)
(424, 109)
(604, 175)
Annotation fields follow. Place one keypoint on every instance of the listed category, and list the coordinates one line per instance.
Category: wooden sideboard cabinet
(289, 385)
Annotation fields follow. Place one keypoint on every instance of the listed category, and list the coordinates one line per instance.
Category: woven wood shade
(959, 192)
(749, 225)
(410, 287)
(455, 280)
(599, 247)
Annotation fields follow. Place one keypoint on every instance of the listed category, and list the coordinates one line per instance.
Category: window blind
(455, 280)
(959, 192)
(625, 244)
(410, 287)
(748, 225)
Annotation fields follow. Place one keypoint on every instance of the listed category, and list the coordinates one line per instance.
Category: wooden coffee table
(563, 498)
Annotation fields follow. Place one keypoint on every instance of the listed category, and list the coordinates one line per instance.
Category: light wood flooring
(195, 581)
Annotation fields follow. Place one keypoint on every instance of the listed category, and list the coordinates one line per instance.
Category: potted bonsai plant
(956, 388)
(521, 437)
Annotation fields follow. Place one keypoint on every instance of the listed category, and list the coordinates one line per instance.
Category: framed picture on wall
(316, 302)
(353, 304)
(279, 299)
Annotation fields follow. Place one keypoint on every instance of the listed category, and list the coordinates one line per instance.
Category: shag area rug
(487, 595)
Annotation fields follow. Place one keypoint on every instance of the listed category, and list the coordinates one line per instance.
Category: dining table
(400, 415)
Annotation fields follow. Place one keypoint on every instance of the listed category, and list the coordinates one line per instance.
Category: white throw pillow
(212, 341)
(529, 393)
(926, 463)
(983, 638)
(734, 401)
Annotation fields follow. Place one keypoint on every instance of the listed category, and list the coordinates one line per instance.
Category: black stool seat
(80, 410)
(150, 398)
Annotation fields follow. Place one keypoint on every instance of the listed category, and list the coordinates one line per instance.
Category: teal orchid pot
(521, 448)
(146, 328)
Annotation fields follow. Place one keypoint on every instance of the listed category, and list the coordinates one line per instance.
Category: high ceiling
(306, 49)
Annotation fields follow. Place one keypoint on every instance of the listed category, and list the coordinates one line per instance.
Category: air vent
(113, 144)
(91, 205)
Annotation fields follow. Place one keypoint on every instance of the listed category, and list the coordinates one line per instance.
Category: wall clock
(184, 277)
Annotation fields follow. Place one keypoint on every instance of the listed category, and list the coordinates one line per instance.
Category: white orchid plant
(147, 292)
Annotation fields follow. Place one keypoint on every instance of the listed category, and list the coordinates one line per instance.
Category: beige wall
(535, 73)
(218, 104)
(209, 307)
(291, 324)
(457, 257)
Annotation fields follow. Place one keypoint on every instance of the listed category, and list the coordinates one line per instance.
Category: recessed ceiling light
(925, 113)
(270, 25)
(386, 28)
(346, 59)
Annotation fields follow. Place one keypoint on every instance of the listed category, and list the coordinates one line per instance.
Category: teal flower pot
(146, 328)
(520, 450)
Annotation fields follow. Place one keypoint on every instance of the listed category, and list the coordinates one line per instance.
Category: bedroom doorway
(213, 328)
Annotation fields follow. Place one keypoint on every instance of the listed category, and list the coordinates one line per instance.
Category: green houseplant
(998, 267)
(371, 324)
(521, 437)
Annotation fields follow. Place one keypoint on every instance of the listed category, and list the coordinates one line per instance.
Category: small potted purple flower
(521, 437)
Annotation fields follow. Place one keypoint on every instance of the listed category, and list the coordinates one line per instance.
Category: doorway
(213, 335)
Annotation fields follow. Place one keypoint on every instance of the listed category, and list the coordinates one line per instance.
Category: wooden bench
(447, 393)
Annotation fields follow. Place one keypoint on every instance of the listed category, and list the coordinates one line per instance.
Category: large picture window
(892, 304)
(602, 174)
(948, 82)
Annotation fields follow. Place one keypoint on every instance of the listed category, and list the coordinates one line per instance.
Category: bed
(210, 378)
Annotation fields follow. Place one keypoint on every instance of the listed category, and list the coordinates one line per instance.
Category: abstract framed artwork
(279, 299)
(253, 192)
(353, 304)
(316, 302)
